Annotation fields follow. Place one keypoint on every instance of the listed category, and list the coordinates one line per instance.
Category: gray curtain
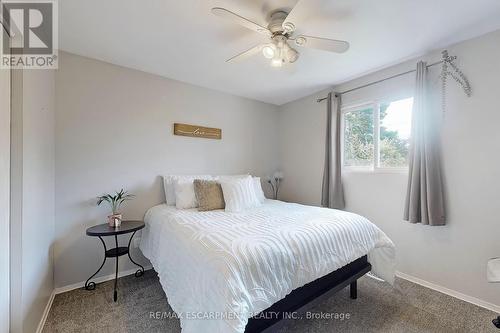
(424, 197)
(332, 193)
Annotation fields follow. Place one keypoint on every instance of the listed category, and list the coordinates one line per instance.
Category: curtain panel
(332, 192)
(425, 198)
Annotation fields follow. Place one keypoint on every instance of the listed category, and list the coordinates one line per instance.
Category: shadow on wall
(81, 254)
(145, 197)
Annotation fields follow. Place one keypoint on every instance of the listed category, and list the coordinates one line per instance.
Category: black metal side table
(103, 230)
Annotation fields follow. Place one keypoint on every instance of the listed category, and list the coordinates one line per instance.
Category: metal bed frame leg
(353, 289)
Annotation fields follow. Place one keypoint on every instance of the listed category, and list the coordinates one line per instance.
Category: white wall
(32, 196)
(4, 198)
(114, 129)
(39, 199)
(453, 256)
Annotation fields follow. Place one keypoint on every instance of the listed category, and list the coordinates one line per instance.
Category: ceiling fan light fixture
(280, 32)
(289, 27)
(269, 51)
(301, 41)
(292, 55)
(277, 62)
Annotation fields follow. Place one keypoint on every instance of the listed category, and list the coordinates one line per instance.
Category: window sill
(403, 171)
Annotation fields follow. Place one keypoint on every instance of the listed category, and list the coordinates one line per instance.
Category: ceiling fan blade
(227, 14)
(246, 54)
(294, 16)
(331, 45)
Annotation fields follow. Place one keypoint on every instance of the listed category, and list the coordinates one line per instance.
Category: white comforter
(218, 269)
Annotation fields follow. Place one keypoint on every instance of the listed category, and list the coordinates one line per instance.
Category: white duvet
(218, 269)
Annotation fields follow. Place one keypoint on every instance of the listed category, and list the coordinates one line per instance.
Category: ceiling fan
(280, 32)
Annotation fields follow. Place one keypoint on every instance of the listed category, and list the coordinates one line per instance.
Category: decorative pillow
(208, 195)
(169, 186)
(185, 197)
(258, 189)
(239, 194)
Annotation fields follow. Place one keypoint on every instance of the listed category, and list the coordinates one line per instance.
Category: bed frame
(309, 295)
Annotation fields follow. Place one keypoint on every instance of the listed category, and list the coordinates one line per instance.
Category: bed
(221, 271)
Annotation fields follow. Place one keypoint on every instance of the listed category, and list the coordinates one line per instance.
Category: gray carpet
(379, 308)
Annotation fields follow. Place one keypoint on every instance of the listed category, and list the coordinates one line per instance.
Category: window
(376, 135)
(358, 128)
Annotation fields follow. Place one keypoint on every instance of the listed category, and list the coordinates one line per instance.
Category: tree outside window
(390, 123)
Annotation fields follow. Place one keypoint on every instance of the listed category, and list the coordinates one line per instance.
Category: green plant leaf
(115, 200)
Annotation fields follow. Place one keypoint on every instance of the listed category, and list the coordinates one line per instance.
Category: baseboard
(466, 298)
(98, 280)
(430, 285)
(46, 311)
(77, 286)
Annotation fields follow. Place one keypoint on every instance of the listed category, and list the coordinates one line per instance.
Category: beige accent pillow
(209, 195)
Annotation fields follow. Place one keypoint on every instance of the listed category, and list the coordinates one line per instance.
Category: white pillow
(185, 197)
(258, 189)
(169, 187)
(221, 178)
(239, 194)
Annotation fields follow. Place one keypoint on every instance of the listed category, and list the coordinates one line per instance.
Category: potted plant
(115, 201)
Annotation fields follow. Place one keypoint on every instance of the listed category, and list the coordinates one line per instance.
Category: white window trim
(375, 167)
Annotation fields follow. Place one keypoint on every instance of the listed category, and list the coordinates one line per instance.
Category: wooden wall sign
(197, 131)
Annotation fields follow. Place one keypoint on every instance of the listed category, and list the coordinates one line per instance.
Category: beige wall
(114, 130)
(32, 196)
(453, 256)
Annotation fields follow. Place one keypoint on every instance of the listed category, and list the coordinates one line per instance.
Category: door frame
(5, 124)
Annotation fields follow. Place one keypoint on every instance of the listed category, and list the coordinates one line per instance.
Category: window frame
(375, 166)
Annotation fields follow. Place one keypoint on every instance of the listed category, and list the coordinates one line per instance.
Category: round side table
(104, 230)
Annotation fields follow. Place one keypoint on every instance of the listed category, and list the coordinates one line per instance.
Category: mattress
(218, 269)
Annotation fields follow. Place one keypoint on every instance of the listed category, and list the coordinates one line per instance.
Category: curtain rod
(379, 81)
